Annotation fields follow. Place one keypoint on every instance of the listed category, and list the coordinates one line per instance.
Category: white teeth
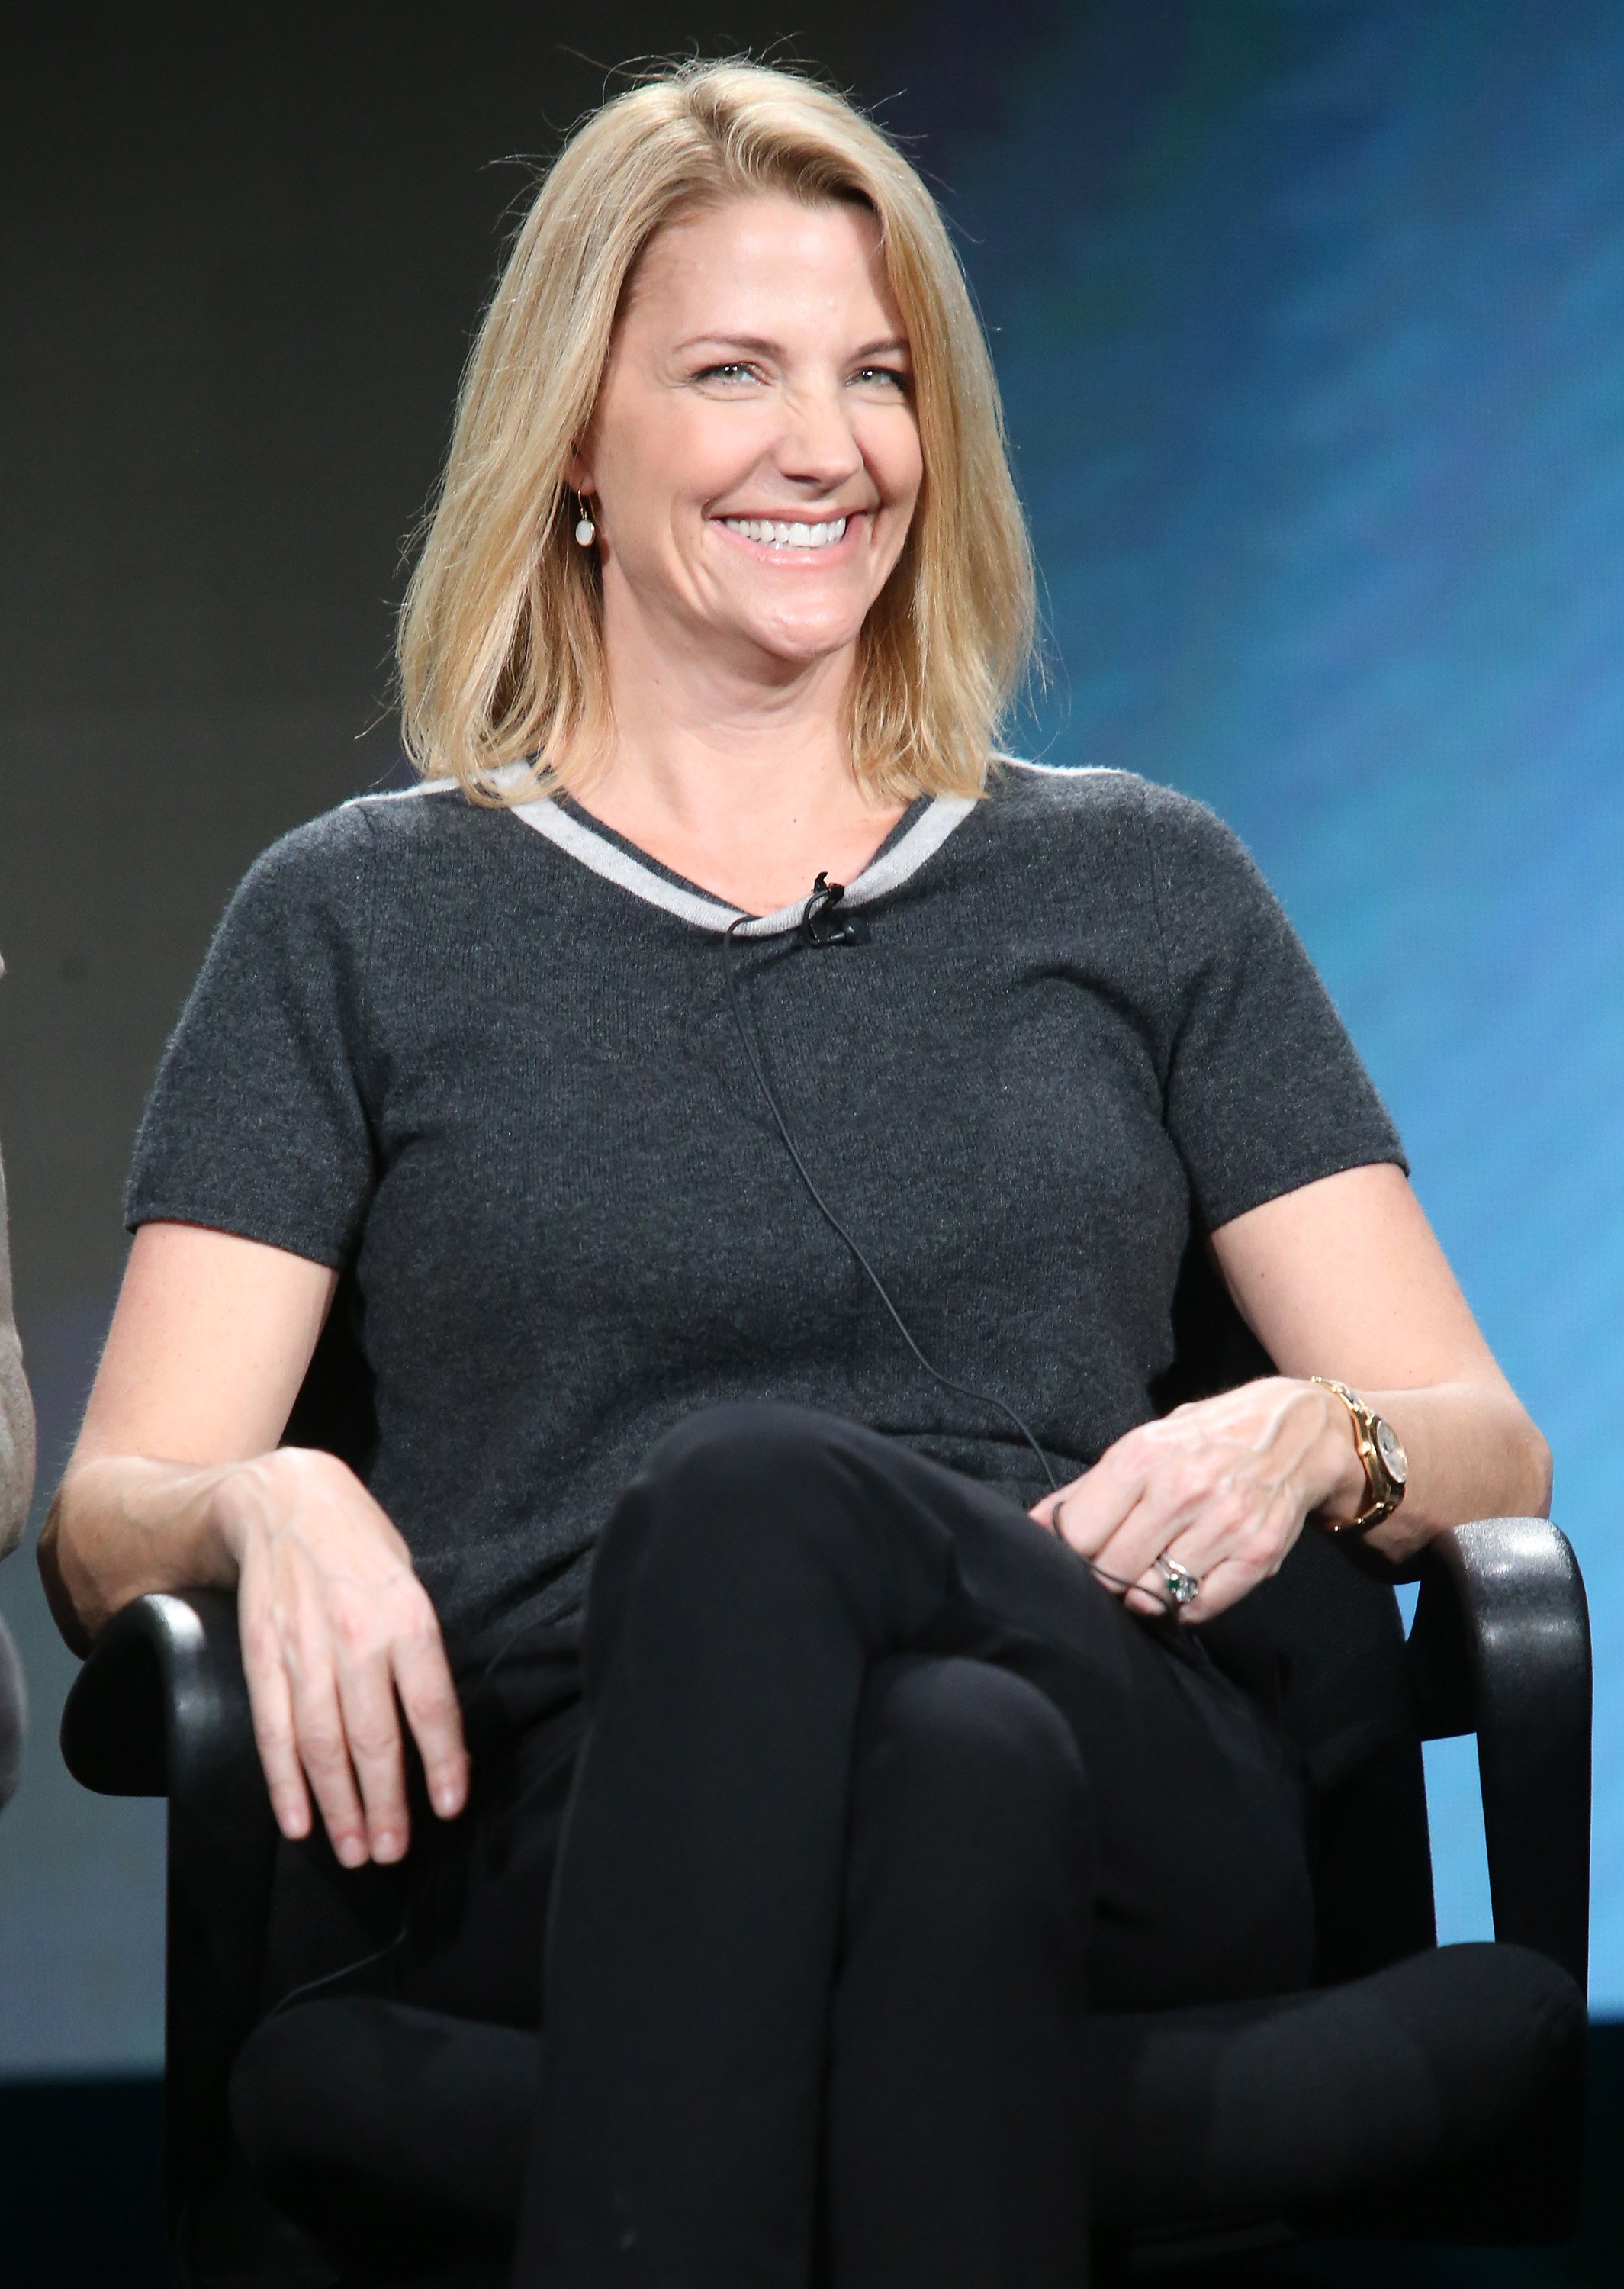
(773, 534)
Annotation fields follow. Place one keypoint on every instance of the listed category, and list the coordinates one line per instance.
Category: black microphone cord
(816, 905)
(826, 895)
(817, 932)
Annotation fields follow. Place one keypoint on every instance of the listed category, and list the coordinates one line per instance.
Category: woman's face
(753, 461)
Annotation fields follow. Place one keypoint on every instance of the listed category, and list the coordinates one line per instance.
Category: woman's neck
(739, 782)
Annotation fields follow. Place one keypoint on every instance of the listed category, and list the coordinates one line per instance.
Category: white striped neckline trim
(905, 856)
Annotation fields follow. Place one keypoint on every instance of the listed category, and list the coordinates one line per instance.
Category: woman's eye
(733, 369)
(889, 376)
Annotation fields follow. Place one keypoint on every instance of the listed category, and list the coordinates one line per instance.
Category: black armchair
(1499, 1646)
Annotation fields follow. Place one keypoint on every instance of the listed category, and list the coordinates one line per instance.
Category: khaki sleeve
(16, 1409)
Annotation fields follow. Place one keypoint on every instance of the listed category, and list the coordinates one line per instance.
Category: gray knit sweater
(485, 1064)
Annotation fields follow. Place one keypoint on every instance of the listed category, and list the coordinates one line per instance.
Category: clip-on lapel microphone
(818, 924)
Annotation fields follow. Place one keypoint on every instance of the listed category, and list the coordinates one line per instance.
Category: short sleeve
(1265, 1092)
(257, 1123)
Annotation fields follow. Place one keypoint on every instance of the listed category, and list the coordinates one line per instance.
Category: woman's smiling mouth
(779, 533)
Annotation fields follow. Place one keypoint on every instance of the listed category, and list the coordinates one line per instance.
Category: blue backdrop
(1309, 316)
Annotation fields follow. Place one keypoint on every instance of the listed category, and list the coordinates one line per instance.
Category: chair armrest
(1500, 1646)
(160, 1708)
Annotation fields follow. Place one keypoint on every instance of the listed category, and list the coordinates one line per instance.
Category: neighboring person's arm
(16, 1409)
(16, 1490)
(176, 1482)
(1343, 1279)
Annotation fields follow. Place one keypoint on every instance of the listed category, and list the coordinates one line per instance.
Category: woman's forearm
(208, 1345)
(1473, 1452)
(1345, 1278)
(122, 1525)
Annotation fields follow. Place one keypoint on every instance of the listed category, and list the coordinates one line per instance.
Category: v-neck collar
(920, 833)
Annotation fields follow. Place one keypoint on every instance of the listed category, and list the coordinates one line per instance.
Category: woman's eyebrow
(758, 346)
(755, 343)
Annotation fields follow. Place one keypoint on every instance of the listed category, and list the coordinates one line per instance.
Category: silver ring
(1182, 1585)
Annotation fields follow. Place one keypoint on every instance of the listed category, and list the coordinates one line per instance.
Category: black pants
(875, 1788)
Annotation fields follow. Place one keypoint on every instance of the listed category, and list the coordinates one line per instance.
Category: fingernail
(448, 1799)
(351, 1851)
(388, 1844)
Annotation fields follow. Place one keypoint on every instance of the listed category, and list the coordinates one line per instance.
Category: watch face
(1392, 1451)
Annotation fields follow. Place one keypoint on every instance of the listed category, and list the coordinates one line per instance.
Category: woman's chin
(799, 638)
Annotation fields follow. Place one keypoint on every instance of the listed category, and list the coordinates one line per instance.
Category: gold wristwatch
(1387, 1466)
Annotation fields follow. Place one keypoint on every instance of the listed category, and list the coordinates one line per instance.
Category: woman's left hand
(1221, 1488)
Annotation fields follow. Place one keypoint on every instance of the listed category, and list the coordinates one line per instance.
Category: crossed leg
(713, 1903)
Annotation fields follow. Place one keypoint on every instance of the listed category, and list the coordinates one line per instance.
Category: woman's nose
(818, 445)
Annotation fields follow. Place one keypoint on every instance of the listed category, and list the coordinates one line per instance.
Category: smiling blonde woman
(743, 1148)
(502, 637)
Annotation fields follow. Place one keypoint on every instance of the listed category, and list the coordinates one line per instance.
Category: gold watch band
(1384, 1492)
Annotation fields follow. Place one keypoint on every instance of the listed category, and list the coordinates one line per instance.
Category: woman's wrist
(122, 1526)
(245, 1497)
(233, 1502)
(1340, 1474)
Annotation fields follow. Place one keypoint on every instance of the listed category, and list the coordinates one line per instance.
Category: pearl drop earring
(585, 532)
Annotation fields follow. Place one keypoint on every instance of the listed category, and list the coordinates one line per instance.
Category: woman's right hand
(176, 1482)
(339, 1638)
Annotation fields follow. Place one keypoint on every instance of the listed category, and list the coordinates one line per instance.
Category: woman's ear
(577, 471)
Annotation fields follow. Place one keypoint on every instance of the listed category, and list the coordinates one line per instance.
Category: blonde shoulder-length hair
(500, 640)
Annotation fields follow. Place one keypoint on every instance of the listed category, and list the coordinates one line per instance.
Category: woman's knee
(742, 1509)
(968, 1783)
(747, 1451)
